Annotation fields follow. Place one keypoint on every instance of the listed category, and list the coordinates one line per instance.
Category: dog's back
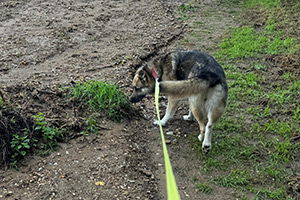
(195, 72)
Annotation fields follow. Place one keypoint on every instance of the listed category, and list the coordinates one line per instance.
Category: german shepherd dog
(186, 74)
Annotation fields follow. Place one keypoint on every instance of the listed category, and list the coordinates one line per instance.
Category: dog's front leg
(189, 117)
(171, 109)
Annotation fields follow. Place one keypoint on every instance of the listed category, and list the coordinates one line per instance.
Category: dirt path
(43, 43)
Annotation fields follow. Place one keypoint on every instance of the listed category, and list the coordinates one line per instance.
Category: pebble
(170, 133)
(168, 141)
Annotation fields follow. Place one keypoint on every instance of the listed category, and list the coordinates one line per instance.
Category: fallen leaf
(100, 183)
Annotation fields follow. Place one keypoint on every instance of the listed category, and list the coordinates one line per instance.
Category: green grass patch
(246, 42)
(101, 96)
(184, 11)
(204, 188)
(236, 178)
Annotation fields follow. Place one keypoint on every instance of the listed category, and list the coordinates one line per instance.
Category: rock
(170, 133)
(168, 141)
(147, 172)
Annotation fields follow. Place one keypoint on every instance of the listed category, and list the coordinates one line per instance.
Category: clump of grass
(204, 188)
(184, 9)
(101, 96)
(91, 124)
(235, 178)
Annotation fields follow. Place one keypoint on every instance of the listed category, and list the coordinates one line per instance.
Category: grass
(246, 42)
(101, 96)
(204, 188)
(184, 10)
(236, 178)
(251, 149)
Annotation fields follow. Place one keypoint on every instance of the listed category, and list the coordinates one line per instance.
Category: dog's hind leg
(197, 112)
(212, 118)
(171, 109)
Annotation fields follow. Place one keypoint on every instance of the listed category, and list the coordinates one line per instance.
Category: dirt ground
(48, 43)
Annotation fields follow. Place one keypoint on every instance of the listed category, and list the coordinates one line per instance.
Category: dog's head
(143, 83)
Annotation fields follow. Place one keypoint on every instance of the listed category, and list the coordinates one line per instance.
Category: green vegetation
(50, 136)
(42, 138)
(247, 42)
(235, 178)
(204, 188)
(184, 9)
(21, 145)
(252, 149)
(101, 96)
(91, 124)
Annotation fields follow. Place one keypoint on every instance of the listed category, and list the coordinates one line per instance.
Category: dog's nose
(132, 100)
(135, 99)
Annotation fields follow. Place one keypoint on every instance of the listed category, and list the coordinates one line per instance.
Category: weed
(204, 188)
(260, 67)
(183, 9)
(287, 76)
(20, 146)
(267, 111)
(236, 178)
(297, 115)
(50, 136)
(283, 151)
(186, 7)
(91, 124)
(101, 97)
(278, 127)
(218, 164)
(270, 194)
(275, 171)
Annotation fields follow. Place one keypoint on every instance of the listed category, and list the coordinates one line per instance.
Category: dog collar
(154, 74)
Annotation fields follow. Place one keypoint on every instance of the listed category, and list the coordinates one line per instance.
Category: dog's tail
(189, 87)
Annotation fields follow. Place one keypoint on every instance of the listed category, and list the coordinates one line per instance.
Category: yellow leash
(172, 190)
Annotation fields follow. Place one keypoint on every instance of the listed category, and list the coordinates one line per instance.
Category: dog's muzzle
(136, 99)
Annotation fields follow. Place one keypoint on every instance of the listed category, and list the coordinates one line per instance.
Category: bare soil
(46, 44)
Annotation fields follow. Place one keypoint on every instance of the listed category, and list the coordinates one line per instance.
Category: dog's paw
(188, 118)
(206, 149)
(157, 123)
(200, 137)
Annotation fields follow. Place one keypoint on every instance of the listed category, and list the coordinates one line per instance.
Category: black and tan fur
(187, 74)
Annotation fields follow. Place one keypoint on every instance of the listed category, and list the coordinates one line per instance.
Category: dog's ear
(144, 78)
(142, 74)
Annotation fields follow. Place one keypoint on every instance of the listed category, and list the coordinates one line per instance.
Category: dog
(186, 74)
